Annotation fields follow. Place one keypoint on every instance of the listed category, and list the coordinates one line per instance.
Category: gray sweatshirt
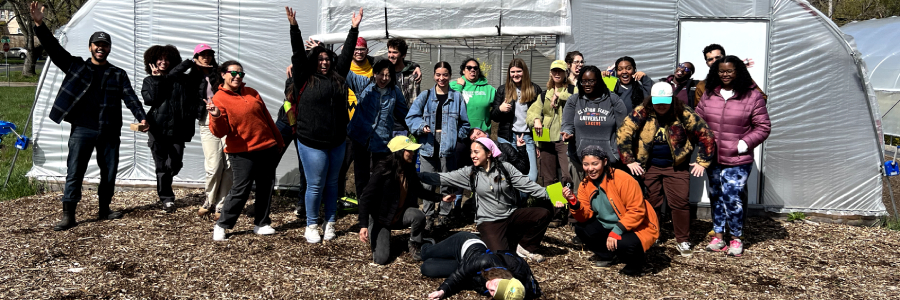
(594, 122)
(494, 200)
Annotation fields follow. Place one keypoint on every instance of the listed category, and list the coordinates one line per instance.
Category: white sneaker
(329, 231)
(219, 233)
(312, 234)
(264, 230)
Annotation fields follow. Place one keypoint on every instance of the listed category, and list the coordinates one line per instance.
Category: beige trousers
(218, 168)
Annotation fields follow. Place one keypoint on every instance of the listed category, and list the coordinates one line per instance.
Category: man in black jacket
(390, 201)
(90, 99)
(467, 263)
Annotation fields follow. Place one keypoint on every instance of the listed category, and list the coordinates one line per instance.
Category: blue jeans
(532, 155)
(82, 142)
(728, 195)
(322, 168)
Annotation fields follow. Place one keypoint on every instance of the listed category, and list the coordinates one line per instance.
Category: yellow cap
(558, 64)
(510, 289)
(402, 143)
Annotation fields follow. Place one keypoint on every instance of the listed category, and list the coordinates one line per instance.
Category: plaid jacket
(635, 137)
(115, 85)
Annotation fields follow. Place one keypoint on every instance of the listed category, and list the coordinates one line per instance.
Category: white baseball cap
(661, 93)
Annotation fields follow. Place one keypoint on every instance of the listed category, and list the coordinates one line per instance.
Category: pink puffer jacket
(744, 118)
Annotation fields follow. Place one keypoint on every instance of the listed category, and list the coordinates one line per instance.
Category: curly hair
(462, 67)
(156, 52)
(399, 44)
(742, 82)
(712, 47)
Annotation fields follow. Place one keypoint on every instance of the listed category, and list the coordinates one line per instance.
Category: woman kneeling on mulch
(613, 217)
(390, 201)
(467, 264)
(499, 216)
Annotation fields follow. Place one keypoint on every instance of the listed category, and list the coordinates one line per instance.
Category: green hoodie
(478, 96)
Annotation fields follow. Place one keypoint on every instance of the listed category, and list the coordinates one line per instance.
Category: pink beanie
(490, 145)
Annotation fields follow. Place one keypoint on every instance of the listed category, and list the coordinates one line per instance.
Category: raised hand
(520, 140)
(461, 81)
(311, 43)
(289, 71)
(213, 109)
(154, 70)
(291, 15)
(199, 64)
(357, 18)
(37, 13)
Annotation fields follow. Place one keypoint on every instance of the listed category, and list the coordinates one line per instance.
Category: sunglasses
(236, 73)
(684, 66)
(471, 68)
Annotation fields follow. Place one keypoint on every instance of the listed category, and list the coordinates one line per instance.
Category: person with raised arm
(322, 121)
(90, 99)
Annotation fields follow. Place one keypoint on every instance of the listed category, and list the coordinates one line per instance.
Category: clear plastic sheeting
(877, 41)
(443, 19)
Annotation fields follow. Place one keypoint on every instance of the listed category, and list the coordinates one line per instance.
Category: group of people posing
(629, 140)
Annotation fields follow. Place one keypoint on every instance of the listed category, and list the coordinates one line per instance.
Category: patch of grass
(16, 103)
(892, 224)
(796, 216)
(15, 61)
(17, 77)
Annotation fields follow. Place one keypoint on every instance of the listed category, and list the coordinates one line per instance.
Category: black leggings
(442, 259)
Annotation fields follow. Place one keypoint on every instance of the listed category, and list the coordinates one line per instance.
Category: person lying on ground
(467, 263)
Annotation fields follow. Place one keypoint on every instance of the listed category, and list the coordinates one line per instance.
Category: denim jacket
(454, 122)
(373, 122)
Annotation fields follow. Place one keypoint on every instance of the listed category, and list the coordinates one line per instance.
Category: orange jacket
(626, 198)
(245, 122)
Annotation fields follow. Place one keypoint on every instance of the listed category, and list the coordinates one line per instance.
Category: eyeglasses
(684, 66)
(729, 72)
(471, 68)
(714, 58)
(588, 81)
(578, 62)
(236, 73)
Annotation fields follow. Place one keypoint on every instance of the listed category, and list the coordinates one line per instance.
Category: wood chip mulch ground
(153, 255)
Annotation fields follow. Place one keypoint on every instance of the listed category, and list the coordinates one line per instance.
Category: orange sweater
(245, 122)
(626, 198)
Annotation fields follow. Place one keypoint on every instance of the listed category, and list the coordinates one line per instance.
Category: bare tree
(59, 13)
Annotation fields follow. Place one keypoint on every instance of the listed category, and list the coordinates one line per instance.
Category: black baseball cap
(101, 36)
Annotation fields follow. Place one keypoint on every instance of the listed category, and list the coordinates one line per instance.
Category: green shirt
(604, 212)
(478, 96)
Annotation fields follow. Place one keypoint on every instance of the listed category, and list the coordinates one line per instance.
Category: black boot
(107, 214)
(414, 250)
(68, 217)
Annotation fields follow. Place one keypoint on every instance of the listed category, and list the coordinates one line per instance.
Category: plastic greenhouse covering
(815, 160)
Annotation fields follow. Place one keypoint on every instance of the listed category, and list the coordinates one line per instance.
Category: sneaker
(656, 244)
(602, 264)
(264, 230)
(168, 207)
(312, 234)
(329, 231)
(736, 248)
(684, 248)
(300, 213)
(717, 245)
(414, 251)
(526, 254)
(219, 233)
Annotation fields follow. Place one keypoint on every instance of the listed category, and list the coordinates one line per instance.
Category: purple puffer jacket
(737, 119)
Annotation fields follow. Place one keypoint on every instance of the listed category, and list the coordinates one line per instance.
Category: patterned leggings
(728, 193)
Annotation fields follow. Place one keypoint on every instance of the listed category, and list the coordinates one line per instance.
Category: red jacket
(744, 118)
(245, 122)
